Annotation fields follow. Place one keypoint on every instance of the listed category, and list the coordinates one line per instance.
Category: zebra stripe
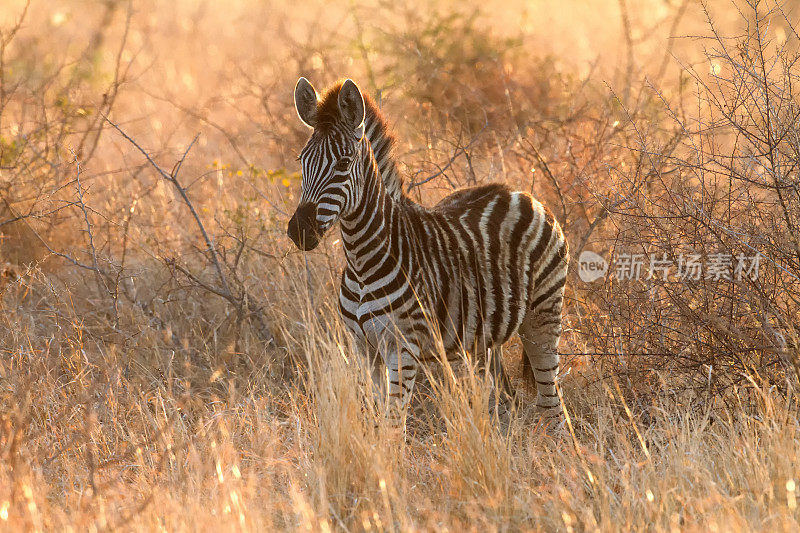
(484, 263)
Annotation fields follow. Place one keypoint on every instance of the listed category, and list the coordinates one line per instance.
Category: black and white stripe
(483, 264)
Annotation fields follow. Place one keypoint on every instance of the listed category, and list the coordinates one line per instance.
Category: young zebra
(482, 264)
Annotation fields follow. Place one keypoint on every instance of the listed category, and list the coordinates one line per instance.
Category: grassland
(172, 362)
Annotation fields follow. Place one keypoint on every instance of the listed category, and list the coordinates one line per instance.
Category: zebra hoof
(551, 420)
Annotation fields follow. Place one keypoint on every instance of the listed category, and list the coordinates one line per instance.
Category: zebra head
(328, 160)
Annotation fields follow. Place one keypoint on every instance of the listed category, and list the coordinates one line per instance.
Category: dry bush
(168, 360)
(716, 177)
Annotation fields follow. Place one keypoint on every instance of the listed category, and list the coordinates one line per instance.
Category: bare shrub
(719, 188)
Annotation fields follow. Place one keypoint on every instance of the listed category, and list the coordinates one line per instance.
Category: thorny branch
(240, 301)
(462, 150)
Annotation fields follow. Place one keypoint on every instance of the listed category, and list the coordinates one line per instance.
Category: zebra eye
(343, 164)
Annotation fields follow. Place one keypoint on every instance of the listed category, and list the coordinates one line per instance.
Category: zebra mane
(377, 131)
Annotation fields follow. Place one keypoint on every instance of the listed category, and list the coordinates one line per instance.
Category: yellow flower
(286, 182)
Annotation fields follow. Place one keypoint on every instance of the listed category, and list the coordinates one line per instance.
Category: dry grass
(153, 377)
(109, 442)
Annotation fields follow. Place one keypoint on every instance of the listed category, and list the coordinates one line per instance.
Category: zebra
(464, 275)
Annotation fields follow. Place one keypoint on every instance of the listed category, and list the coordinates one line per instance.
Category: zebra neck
(365, 229)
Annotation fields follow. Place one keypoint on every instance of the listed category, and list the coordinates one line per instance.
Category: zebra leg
(501, 382)
(490, 360)
(401, 370)
(502, 395)
(375, 366)
(395, 376)
(540, 332)
(364, 350)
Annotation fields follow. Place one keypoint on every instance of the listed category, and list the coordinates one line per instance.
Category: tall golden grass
(171, 362)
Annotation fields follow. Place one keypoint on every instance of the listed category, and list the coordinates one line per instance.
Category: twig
(101, 282)
(363, 49)
(173, 179)
(554, 181)
(463, 149)
(25, 218)
(224, 291)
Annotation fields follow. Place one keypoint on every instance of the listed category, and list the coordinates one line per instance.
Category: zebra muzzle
(303, 228)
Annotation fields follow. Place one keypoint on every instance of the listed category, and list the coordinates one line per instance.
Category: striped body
(482, 264)
(477, 263)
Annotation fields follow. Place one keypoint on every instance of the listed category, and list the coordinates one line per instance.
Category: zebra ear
(305, 101)
(351, 107)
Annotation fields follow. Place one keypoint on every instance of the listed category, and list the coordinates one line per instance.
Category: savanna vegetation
(169, 361)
